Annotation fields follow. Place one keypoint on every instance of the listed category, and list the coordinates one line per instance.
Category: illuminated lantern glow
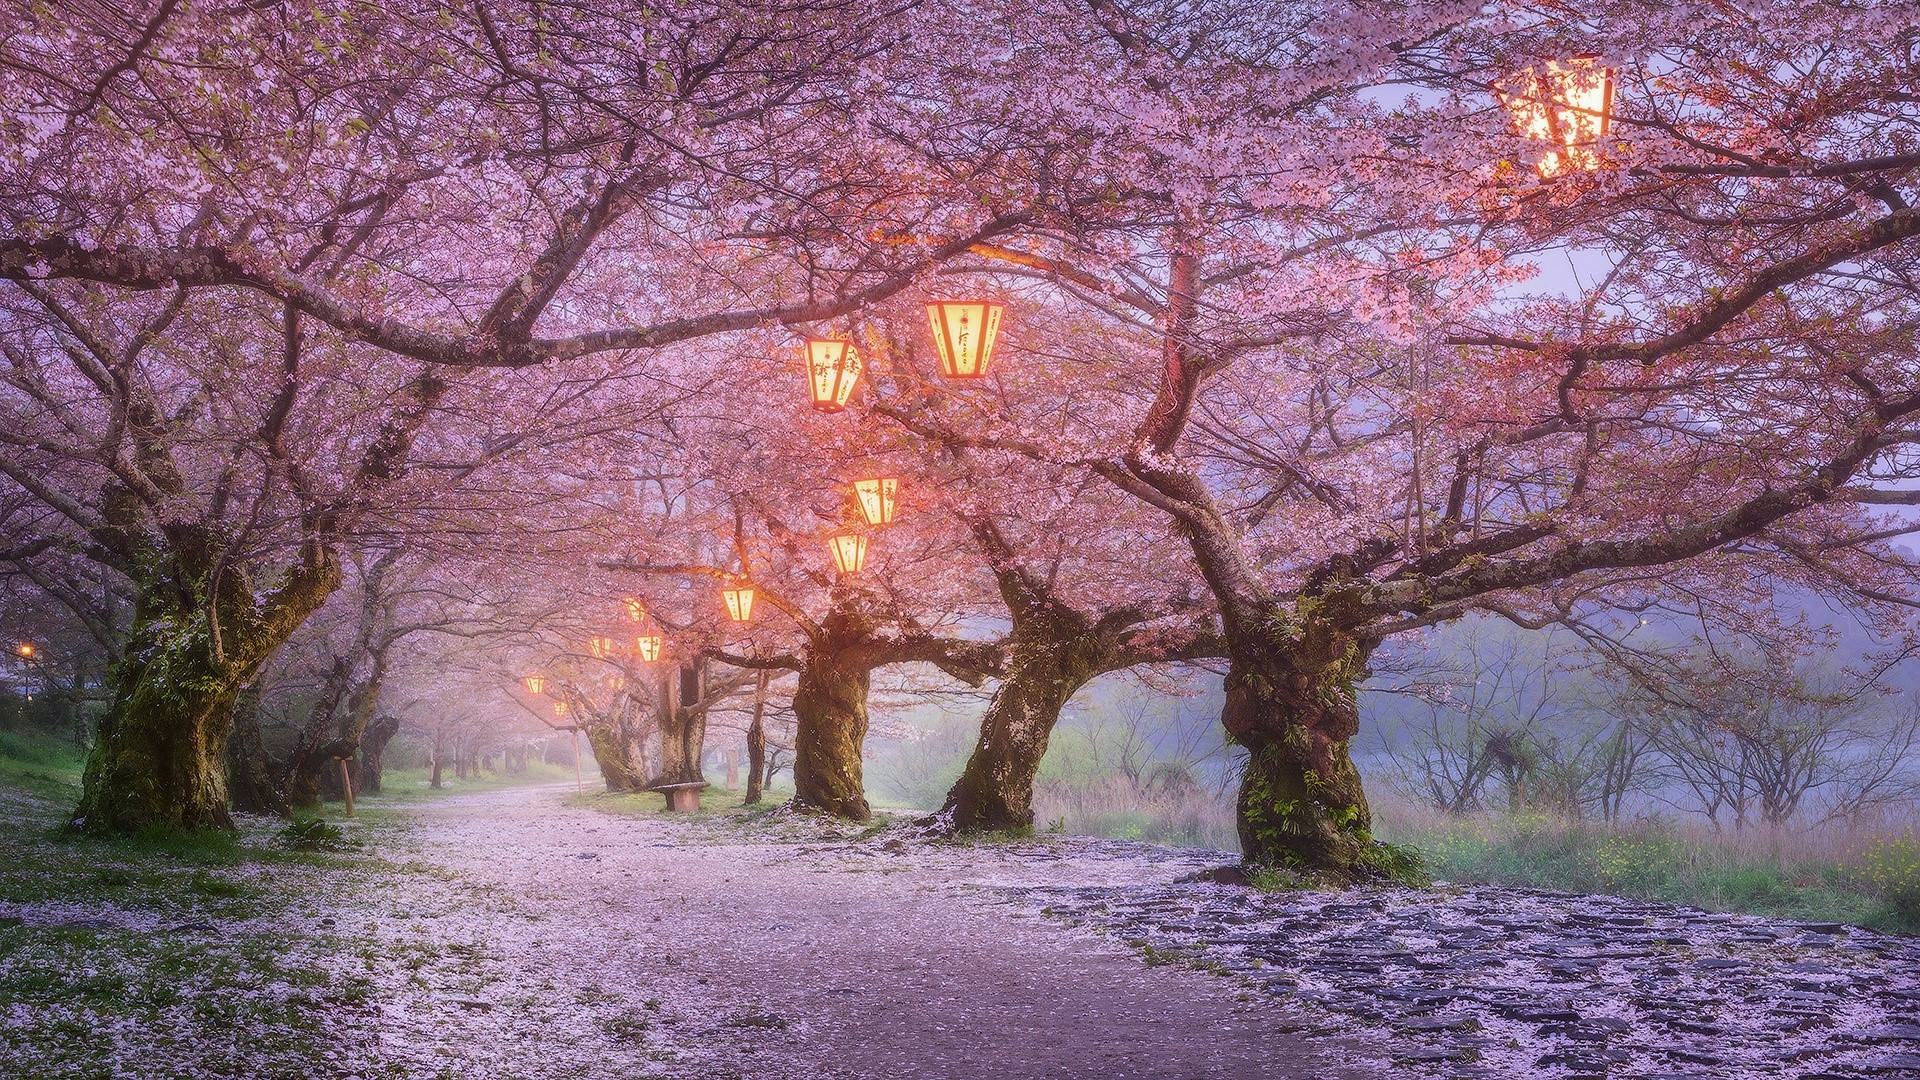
(536, 684)
(616, 682)
(559, 708)
(849, 551)
(877, 498)
(739, 600)
(600, 647)
(648, 647)
(964, 332)
(1568, 103)
(833, 369)
(636, 610)
(25, 649)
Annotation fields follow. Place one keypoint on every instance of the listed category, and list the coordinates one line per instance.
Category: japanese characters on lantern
(739, 601)
(964, 332)
(849, 551)
(833, 368)
(1566, 102)
(876, 497)
(647, 646)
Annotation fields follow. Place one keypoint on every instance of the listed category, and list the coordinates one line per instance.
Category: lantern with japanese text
(876, 498)
(739, 600)
(964, 332)
(849, 551)
(833, 368)
(559, 708)
(647, 646)
(535, 684)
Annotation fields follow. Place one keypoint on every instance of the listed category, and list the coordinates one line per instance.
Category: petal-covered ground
(509, 934)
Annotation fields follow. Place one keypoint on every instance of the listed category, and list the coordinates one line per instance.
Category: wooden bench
(681, 797)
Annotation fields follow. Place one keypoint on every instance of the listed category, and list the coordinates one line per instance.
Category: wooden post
(346, 784)
(578, 784)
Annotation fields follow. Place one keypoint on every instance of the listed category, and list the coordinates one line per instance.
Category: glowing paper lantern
(1569, 103)
(739, 601)
(616, 682)
(648, 646)
(833, 367)
(636, 610)
(849, 551)
(876, 498)
(536, 684)
(964, 331)
(600, 647)
(559, 708)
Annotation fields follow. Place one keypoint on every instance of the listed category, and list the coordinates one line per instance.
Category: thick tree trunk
(161, 758)
(683, 726)
(250, 785)
(757, 744)
(830, 717)
(161, 755)
(373, 747)
(1291, 703)
(611, 751)
(439, 757)
(1047, 665)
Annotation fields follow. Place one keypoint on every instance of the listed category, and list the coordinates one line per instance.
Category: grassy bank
(1814, 875)
(189, 954)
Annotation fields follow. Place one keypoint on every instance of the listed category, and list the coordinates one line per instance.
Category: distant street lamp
(739, 600)
(964, 332)
(876, 498)
(26, 650)
(849, 551)
(833, 368)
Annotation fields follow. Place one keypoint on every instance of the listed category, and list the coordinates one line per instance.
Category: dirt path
(542, 940)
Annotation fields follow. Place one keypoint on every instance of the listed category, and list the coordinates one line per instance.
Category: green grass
(410, 785)
(1654, 862)
(130, 950)
(41, 765)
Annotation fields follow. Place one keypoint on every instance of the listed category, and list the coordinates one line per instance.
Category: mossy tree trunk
(250, 785)
(1290, 701)
(1049, 658)
(161, 756)
(830, 725)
